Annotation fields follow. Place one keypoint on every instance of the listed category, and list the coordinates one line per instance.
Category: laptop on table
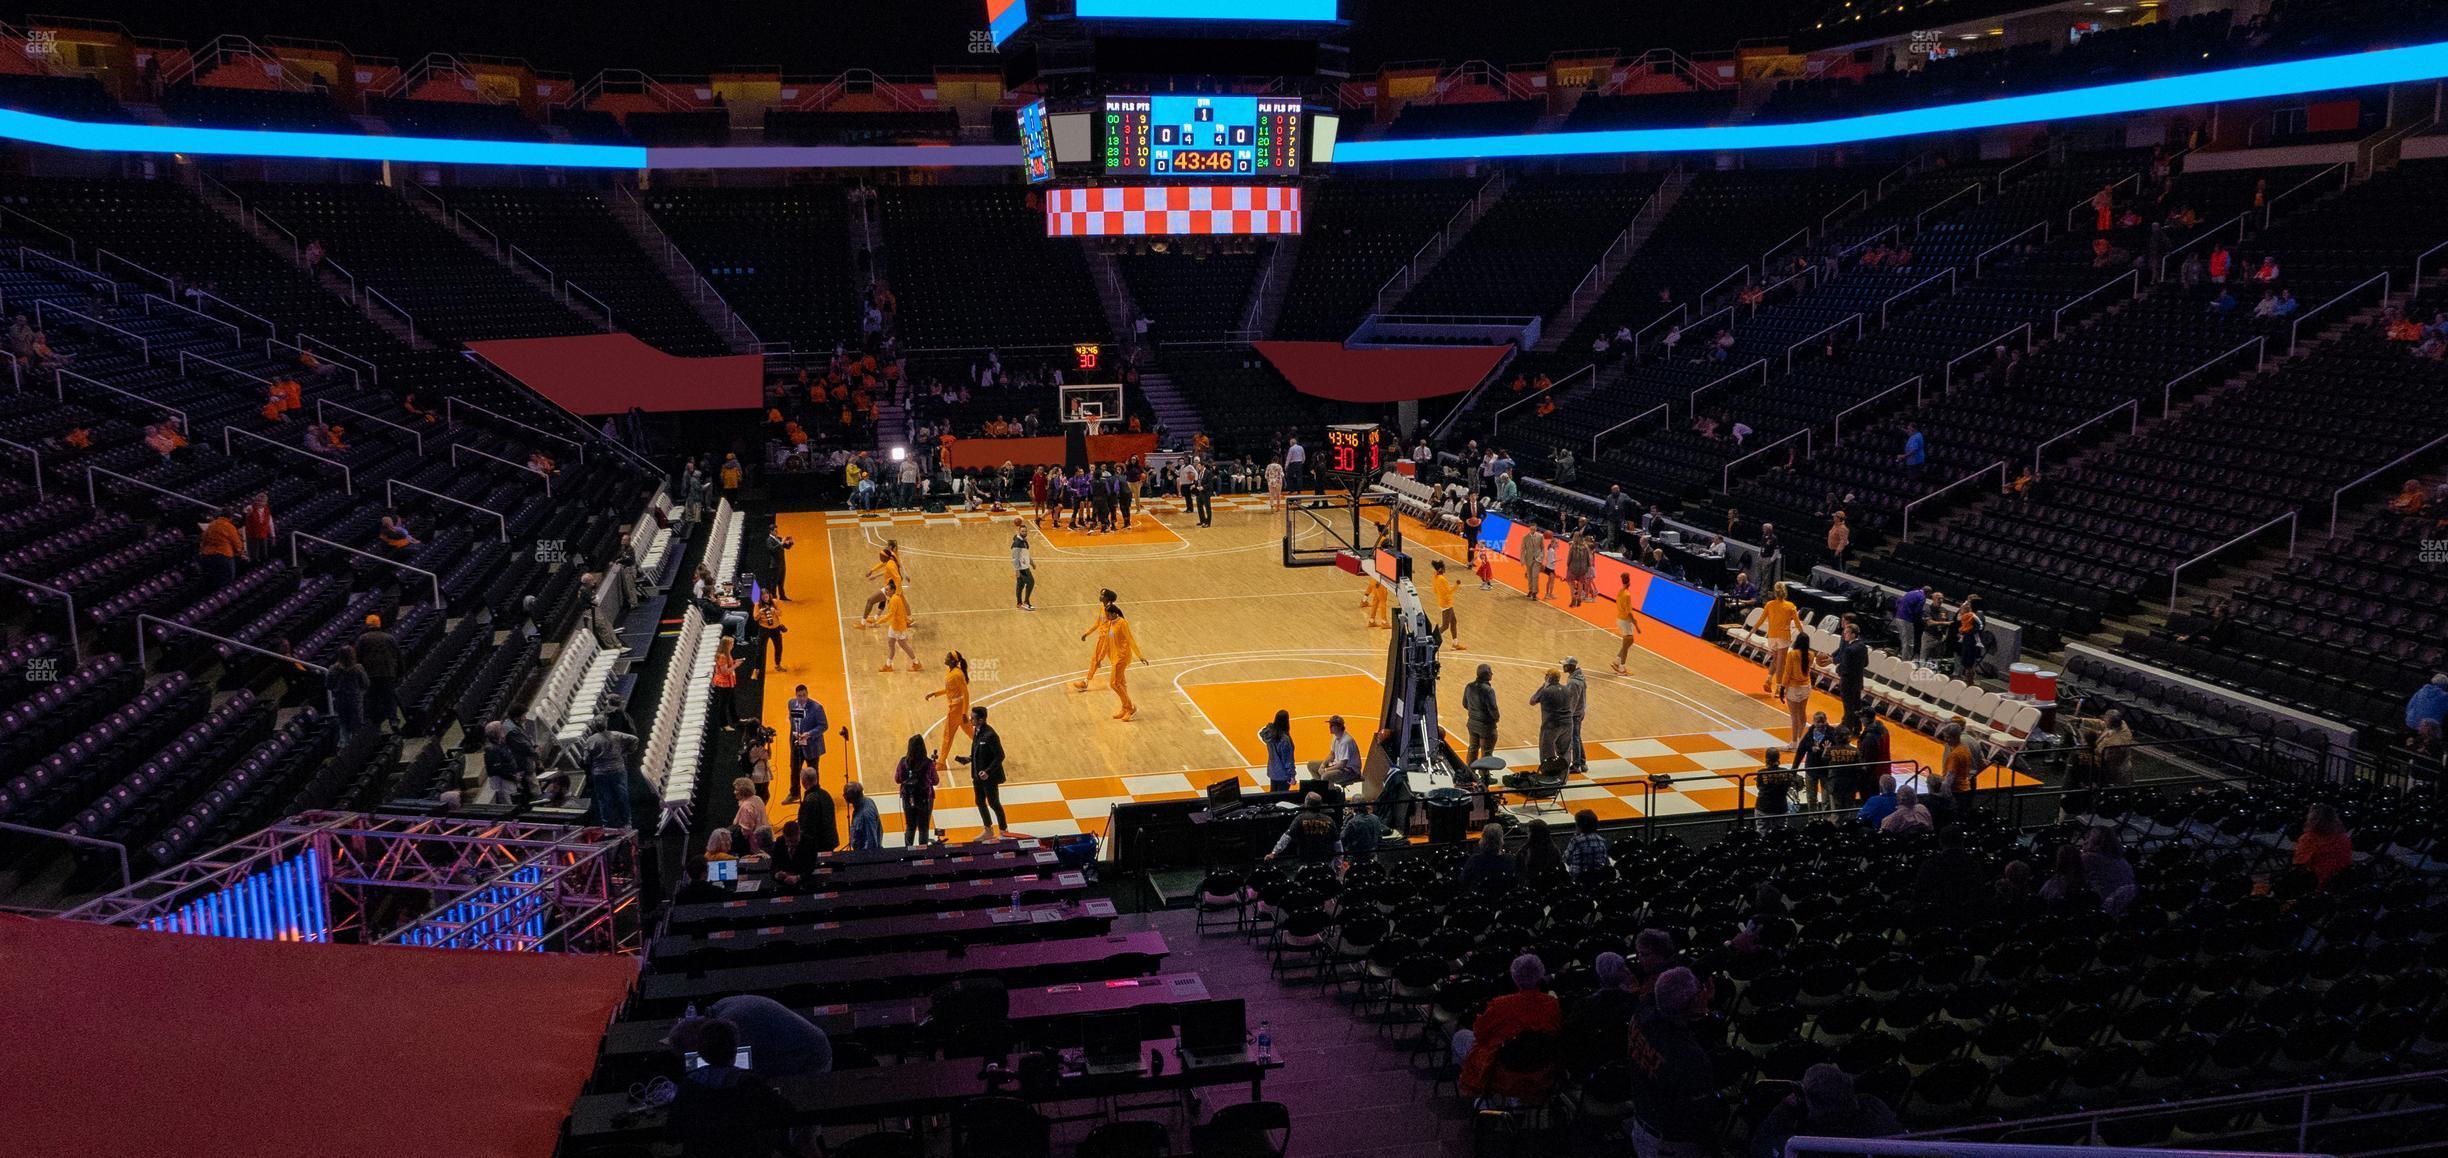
(1214, 1033)
(1109, 1044)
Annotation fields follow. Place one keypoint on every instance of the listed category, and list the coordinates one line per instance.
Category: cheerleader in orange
(956, 699)
(1123, 648)
(1375, 601)
(1099, 629)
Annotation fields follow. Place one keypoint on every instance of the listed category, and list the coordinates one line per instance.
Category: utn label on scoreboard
(1171, 135)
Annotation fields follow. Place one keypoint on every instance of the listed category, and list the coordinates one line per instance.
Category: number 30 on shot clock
(1353, 450)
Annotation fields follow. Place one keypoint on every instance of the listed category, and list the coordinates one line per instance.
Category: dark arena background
(1793, 577)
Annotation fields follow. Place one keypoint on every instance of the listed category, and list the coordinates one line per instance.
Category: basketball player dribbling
(1103, 634)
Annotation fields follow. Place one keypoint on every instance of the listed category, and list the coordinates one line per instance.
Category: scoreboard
(1354, 452)
(1036, 150)
(1172, 135)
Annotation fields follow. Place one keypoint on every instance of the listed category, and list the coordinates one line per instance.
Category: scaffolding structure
(379, 879)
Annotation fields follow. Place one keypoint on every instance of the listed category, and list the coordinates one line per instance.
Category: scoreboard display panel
(1036, 150)
(1174, 135)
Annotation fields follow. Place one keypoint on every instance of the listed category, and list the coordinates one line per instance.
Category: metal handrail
(461, 216)
(59, 390)
(1983, 255)
(271, 344)
(1921, 219)
(373, 373)
(145, 660)
(2327, 1092)
(430, 577)
(34, 454)
(1660, 408)
(1810, 449)
(373, 294)
(165, 279)
(93, 496)
(1802, 1145)
(25, 251)
(410, 431)
(1769, 254)
(1681, 310)
(1726, 312)
(550, 278)
(2057, 320)
(2074, 213)
(186, 355)
(2204, 235)
(1906, 532)
(207, 295)
(1861, 195)
(16, 370)
(1949, 273)
(348, 483)
(1983, 348)
(297, 248)
(1759, 364)
(76, 647)
(1496, 420)
(2269, 205)
(12, 212)
(2000, 175)
(1917, 382)
(2293, 526)
(127, 879)
(457, 448)
(2295, 328)
(450, 413)
(1864, 243)
(2167, 392)
(1742, 275)
(237, 337)
(1822, 332)
(2079, 427)
(391, 499)
(143, 347)
(571, 287)
(2376, 472)
(2416, 286)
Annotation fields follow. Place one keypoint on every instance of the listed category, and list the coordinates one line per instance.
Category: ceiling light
(1969, 36)
(2112, 11)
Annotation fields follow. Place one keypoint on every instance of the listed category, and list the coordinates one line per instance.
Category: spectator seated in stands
(2324, 848)
(2410, 499)
(395, 537)
(718, 845)
(2429, 704)
(1311, 837)
(1908, 814)
(1824, 1105)
(2107, 871)
(1488, 869)
(721, 1110)
(165, 439)
(780, 1042)
(1881, 804)
(1674, 1090)
(1511, 1053)
(1596, 1028)
(1363, 834)
(695, 889)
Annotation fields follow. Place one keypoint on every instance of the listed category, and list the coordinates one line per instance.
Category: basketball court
(1229, 636)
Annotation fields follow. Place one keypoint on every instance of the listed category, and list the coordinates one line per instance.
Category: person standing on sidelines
(985, 761)
(1277, 737)
(1122, 648)
(770, 628)
(1375, 600)
(1533, 558)
(807, 737)
(1202, 492)
(1275, 485)
(1104, 640)
(1479, 707)
(379, 653)
(1777, 627)
(777, 558)
(1444, 587)
(1024, 568)
(1576, 692)
(1627, 623)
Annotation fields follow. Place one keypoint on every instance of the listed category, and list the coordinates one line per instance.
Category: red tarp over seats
(124, 1042)
(1380, 373)
(609, 373)
(975, 453)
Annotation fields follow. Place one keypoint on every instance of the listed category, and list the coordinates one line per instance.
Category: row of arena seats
(1916, 694)
(1894, 956)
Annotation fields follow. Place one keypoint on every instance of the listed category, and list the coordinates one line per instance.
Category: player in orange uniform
(1627, 625)
(1104, 641)
(1123, 648)
(1375, 601)
(1445, 597)
(888, 567)
(956, 699)
(897, 627)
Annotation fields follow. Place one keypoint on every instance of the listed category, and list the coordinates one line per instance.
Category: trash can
(1449, 812)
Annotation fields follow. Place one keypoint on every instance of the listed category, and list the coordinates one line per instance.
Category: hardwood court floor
(1229, 636)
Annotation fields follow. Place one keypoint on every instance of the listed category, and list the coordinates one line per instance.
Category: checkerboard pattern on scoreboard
(1137, 210)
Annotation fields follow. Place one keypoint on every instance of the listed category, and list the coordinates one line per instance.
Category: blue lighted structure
(2385, 66)
(282, 903)
(1235, 10)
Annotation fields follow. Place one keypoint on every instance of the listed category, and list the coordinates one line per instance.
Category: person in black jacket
(1674, 1091)
(721, 1110)
(379, 654)
(794, 855)
(985, 760)
(777, 561)
(816, 815)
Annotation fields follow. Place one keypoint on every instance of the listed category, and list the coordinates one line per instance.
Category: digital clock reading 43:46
(1200, 161)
